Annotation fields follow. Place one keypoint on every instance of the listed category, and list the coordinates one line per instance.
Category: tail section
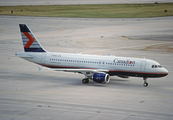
(30, 43)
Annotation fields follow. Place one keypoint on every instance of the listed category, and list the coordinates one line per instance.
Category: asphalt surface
(29, 94)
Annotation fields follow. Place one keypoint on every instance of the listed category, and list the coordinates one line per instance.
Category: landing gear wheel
(145, 84)
(85, 81)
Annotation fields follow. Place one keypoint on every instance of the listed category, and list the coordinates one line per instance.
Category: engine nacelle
(101, 78)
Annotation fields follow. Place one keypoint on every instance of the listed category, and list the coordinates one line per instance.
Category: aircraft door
(43, 59)
(143, 64)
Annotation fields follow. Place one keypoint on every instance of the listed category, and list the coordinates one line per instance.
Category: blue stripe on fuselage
(34, 50)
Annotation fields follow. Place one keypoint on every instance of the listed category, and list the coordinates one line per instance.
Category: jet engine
(101, 78)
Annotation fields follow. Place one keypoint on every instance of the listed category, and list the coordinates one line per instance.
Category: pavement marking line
(127, 47)
(124, 38)
(91, 32)
(63, 30)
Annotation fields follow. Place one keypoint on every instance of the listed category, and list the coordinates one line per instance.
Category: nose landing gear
(145, 82)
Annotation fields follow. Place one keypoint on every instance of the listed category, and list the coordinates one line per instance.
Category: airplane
(95, 67)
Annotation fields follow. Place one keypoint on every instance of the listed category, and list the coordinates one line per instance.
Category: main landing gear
(145, 82)
(85, 81)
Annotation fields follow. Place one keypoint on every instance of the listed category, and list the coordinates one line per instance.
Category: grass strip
(92, 11)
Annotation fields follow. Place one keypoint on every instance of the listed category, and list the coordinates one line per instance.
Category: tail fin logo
(30, 43)
(31, 39)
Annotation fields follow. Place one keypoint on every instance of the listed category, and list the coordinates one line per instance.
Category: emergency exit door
(143, 64)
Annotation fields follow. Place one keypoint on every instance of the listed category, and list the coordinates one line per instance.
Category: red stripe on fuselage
(31, 39)
(53, 66)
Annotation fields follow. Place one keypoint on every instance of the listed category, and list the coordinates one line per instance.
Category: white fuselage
(120, 66)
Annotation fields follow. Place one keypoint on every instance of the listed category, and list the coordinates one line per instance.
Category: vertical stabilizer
(30, 43)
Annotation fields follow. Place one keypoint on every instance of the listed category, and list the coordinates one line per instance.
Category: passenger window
(152, 66)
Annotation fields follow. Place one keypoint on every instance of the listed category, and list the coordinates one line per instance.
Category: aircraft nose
(165, 71)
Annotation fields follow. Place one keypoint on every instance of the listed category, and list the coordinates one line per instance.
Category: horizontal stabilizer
(22, 55)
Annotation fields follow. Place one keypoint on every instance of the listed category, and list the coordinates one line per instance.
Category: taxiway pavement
(27, 94)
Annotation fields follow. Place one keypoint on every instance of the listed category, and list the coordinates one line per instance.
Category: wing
(82, 70)
(76, 70)
(97, 75)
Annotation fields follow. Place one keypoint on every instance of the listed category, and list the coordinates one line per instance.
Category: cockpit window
(156, 66)
(159, 66)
